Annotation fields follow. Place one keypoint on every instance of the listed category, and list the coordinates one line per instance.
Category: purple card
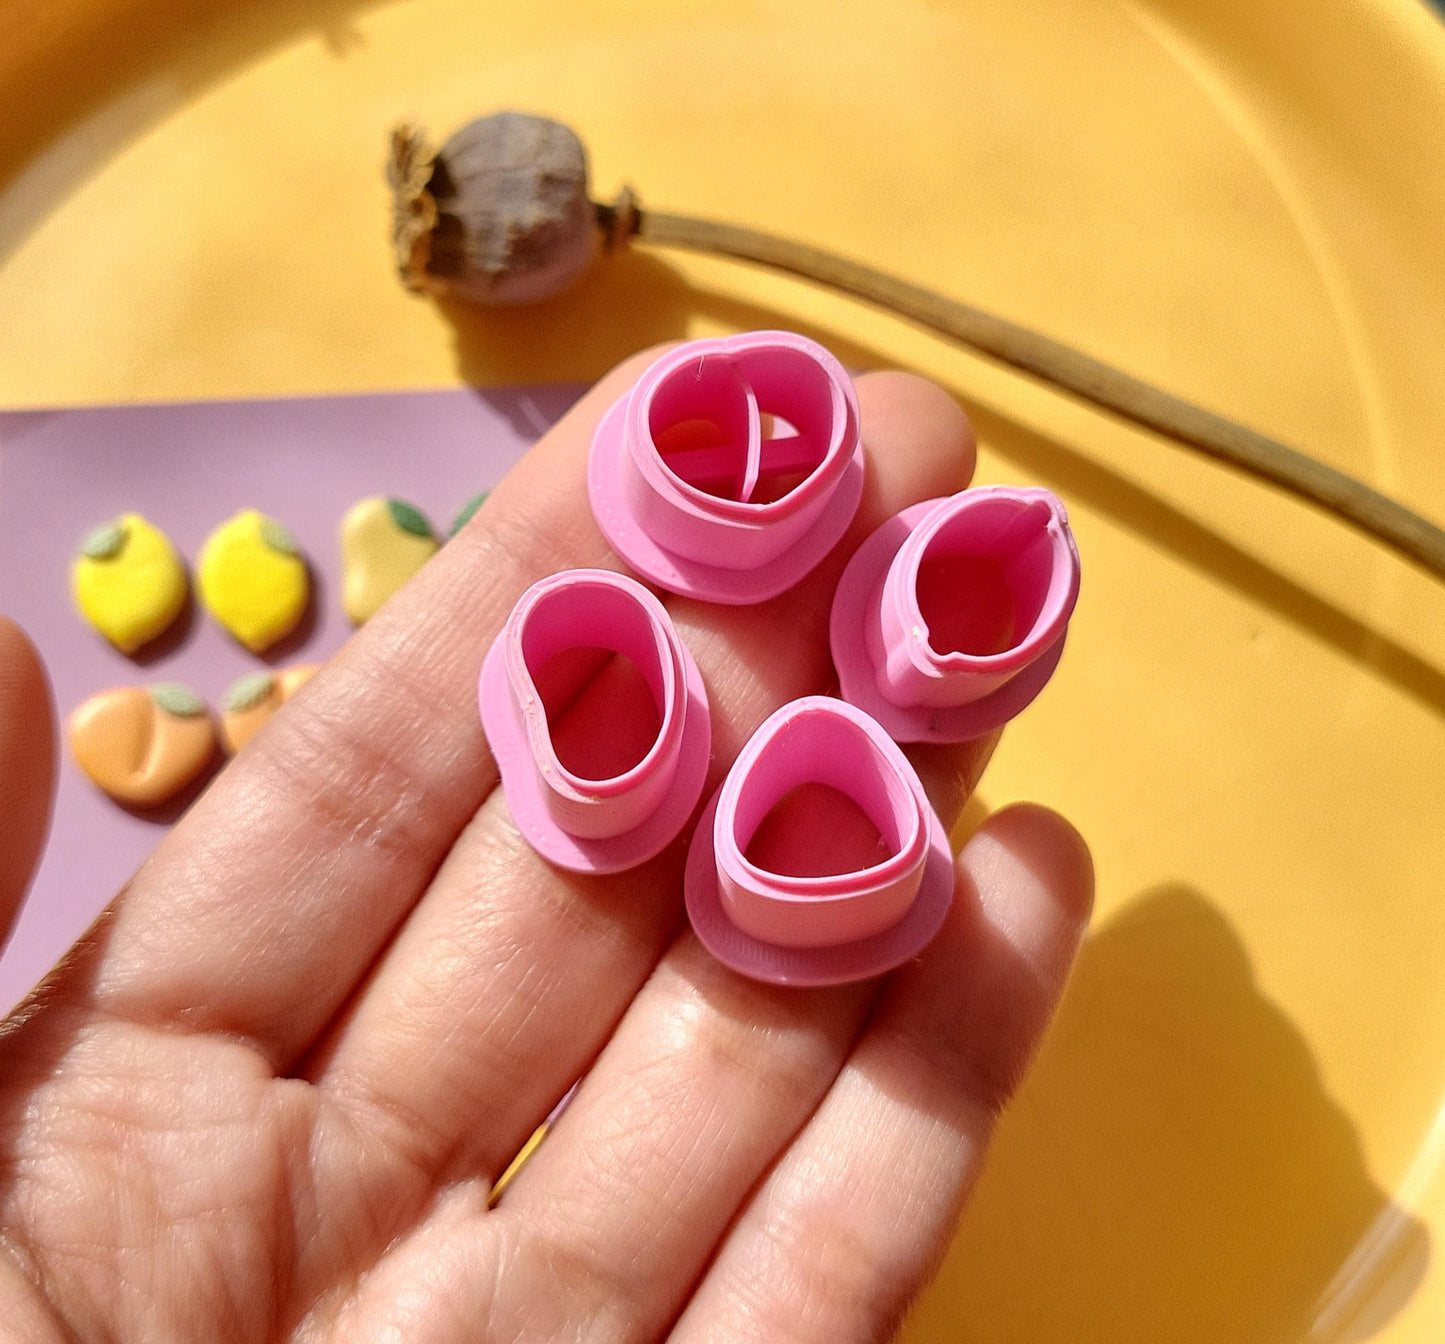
(186, 468)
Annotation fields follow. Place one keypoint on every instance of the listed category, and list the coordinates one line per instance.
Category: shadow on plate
(629, 300)
(518, 345)
(1174, 1168)
(1079, 478)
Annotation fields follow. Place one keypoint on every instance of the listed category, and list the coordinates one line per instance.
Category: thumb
(27, 766)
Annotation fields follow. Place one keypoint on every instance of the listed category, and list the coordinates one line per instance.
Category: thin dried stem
(1052, 362)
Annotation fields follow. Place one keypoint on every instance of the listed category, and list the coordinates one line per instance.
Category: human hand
(269, 1093)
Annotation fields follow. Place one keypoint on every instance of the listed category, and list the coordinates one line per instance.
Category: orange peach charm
(253, 699)
(143, 745)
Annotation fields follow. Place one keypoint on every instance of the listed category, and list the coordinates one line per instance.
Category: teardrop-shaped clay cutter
(951, 617)
(594, 825)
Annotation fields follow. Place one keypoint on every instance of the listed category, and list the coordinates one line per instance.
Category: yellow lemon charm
(383, 543)
(253, 580)
(128, 581)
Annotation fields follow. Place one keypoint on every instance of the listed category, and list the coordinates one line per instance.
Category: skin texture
(268, 1095)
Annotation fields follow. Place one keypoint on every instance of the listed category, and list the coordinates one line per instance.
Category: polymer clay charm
(952, 616)
(253, 580)
(467, 512)
(254, 698)
(383, 543)
(809, 929)
(732, 466)
(143, 745)
(128, 581)
(595, 820)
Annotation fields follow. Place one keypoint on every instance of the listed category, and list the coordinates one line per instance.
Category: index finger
(261, 909)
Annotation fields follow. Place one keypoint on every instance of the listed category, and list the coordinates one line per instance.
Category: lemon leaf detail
(468, 509)
(409, 518)
(247, 692)
(278, 538)
(179, 700)
(103, 542)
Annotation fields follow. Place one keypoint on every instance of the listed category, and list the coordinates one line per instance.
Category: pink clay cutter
(951, 617)
(819, 930)
(732, 466)
(632, 779)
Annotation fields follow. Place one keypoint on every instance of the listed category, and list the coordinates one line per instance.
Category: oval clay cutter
(732, 466)
(819, 930)
(951, 617)
(594, 825)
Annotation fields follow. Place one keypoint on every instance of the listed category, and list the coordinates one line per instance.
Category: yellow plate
(1232, 1132)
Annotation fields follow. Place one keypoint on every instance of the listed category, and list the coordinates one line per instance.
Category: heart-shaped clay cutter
(731, 467)
(586, 824)
(819, 930)
(952, 616)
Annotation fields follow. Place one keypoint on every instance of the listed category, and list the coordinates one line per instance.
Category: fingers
(853, 1219)
(706, 1080)
(511, 974)
(27, 766)
(258, 913)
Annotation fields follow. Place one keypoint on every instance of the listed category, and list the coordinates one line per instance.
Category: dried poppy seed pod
(498, 215)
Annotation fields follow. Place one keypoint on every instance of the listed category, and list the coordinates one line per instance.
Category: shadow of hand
(1174, 1169)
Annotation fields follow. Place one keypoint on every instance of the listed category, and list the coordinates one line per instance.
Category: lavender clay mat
(187, 467)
